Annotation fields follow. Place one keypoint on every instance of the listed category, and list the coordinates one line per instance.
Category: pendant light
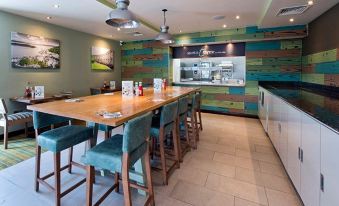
(121, 17)
(164, 36)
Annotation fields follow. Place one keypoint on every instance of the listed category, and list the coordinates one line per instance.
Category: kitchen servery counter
(202, 83)
(322, 103)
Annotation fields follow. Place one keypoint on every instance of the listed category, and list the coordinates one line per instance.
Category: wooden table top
(36, 100)
(130, 107)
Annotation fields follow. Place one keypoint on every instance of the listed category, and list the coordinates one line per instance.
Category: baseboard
(231, 114)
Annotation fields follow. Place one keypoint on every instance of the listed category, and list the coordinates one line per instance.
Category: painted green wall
(269, 58)
(75, 73)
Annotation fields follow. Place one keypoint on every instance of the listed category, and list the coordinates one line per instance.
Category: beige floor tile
(264, 149)
(242, 202)
(270, 158)
(202, 153)
(213, 167)
(262, 179)
(237, 161)
(272, 169)
(192, 175)
(161, 200)
(208, 138)
(200, 196)
(237, 188)
(217, 147)
(276, 198)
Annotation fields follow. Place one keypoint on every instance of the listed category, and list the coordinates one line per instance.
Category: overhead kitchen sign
(212, 50)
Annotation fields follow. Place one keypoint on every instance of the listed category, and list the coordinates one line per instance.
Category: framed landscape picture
(102, 59)
(34, 52)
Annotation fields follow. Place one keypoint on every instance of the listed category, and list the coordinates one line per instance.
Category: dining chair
(199, 120)
(118, 154)
(10, 120)
(162, 125)
(95, 91)
(182, 125)
(55, 141)
(193, 122)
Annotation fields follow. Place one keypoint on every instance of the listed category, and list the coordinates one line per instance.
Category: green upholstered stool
(57, 140)
(118, 154)
(162, 125)
(105, 128)
(183, 125)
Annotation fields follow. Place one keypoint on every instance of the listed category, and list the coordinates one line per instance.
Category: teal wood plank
(265, 45)
(137, 51)
(327, 68)
(283, 28)
(251, 106)
(272, 76)
(237, 90)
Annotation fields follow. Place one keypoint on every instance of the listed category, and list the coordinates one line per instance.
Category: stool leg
(89, 185)
(26, 129)
(162, 155)
(186, 132)
(179, 140)
(70, 159)
(200, 120)
(116, 182)
(37, 166)
(196, 125)
(176, 143)
(57, 186)
(106, 135)
(149, 177)
(194, 132)
(125, 180)
(6, 137)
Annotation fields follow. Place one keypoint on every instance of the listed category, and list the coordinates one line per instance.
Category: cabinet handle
(302, 155)
(299, 153)
(322, 182)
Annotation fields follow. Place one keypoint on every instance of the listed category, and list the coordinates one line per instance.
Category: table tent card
(127, 89)
(112, 84)
(39, 91)
(157, 83)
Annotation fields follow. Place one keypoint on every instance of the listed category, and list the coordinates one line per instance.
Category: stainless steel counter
(202, 83)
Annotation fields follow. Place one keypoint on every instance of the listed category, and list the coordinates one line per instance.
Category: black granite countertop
(320, 102)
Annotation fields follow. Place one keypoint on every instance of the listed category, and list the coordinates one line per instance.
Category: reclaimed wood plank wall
(273, 60)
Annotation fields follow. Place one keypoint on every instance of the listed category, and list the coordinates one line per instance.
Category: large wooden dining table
(89, 109)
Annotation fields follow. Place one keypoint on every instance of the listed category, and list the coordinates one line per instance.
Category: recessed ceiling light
(118, 29)
(56, 6)
(180, 31)
(237, 17)
(224, 25)
(49, 17)
(291, 20)
(310, 2)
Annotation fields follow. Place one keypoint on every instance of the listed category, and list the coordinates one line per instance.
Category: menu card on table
(157, 83)
(127, 88)
(39, 91)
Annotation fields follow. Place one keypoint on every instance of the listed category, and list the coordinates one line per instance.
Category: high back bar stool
(182, 124)
(199, 122)
(193, 122)
(163, 125)
(118, 154)
(9, 120)
(57, 140)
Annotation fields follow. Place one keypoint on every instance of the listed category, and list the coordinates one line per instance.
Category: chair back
(95, 91)
(168, 113)
(136, 131)
(196, 100)
(182, 105)
(41, 120)
(3, 108)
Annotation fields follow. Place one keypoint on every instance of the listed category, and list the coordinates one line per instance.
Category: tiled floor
(235, 165)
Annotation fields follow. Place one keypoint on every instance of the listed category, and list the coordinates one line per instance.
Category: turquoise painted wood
(251, 106)
(237, 90)
(261, 46)
(137, 51)
(327, 68)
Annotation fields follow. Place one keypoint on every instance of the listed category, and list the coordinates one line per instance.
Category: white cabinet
(329, 194)
(275, 120)
(263, 107)
(283, 132)
(293, 145)
(310, 161)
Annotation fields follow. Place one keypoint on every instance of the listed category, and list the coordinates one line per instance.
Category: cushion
(61, 138)
(19, 116)
(108, 154)
(155, 130)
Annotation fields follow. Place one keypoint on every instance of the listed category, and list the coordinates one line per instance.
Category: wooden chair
(57, 140)
(199, 120)
(119, 154)
(162, 125)
(193, 120)
(9, 120)
(182, 125)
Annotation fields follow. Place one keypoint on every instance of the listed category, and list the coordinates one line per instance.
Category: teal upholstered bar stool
(193, 122)
(162, 125)
(182, 124)
(57, 140)
(118, 154)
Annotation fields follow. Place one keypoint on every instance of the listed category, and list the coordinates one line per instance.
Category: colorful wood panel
(271, 56)
(321, 68)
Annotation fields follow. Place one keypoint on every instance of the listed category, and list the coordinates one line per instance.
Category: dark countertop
(320, 102)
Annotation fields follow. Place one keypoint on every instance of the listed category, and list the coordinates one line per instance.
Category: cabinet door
(283, 130)
(275, 121)
(329, 195)
(293, 144)
(310, 164)
(270, 123)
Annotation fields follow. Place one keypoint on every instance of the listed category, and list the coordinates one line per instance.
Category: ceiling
(186, 15)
